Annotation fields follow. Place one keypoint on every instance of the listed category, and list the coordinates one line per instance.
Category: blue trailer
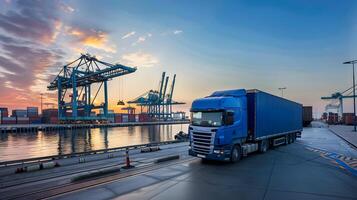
(233, 123)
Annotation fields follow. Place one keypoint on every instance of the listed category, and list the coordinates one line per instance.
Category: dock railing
(78, 154)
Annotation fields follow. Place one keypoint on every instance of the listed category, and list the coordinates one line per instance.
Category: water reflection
(15, 146)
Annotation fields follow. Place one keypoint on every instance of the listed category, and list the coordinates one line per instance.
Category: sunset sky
(210, 45)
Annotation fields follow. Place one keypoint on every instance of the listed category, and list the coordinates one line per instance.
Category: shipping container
(269, 115)
(125, 118)
(9, 120)
(118, 118)
(144, 117)
(32, 111)
(22, 120)
(19, 113)
(4, 112)
(332, 118)
(53, 120)
(347, 118)
(50, 113)
(131, 117)
(35, 120)
(307, 115)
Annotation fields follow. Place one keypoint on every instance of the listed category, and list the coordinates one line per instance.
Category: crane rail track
(80, 185)
(76, 172)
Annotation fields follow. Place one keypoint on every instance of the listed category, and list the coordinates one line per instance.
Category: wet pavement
(320, 137)
(293, 171)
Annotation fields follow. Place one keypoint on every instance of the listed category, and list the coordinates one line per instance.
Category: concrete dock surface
(319, 165)
(345, 132)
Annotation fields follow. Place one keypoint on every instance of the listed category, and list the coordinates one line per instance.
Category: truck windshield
(206, 118)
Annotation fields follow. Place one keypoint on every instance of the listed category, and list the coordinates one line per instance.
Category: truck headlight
(218, 151)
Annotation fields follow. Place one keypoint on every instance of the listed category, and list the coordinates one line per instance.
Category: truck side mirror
(229, 118)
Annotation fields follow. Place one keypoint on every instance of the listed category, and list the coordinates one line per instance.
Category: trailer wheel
(263, 146)
(290, 137)
(294, 137)
(236, 154)
(286, 139)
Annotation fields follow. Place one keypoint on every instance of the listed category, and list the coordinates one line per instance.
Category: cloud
(32, 34)
(91, 38)
(176, 32)
(141, 39)
(26, 32)
(140, 59)
(128, 35)
(34, 20)
(67, 8)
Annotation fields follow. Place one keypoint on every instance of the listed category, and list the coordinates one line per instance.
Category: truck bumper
(213, 156)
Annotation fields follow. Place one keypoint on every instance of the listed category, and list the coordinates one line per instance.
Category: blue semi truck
(233, 123)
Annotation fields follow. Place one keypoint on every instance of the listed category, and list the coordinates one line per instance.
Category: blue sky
(210, 45)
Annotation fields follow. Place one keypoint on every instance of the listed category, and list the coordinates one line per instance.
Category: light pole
(354, 92)
(282, 91)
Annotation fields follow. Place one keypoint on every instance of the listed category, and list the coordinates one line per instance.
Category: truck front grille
(201, 142)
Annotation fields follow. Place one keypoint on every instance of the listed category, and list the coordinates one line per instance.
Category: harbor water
(15, 146)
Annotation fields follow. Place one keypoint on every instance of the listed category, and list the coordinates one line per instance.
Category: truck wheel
(263, 146)
(235, 154)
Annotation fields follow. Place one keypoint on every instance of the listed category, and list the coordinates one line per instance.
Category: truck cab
(219, 125)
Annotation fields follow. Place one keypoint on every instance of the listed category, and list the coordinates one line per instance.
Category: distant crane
(79, 75)
(156, 103)
(337, 100)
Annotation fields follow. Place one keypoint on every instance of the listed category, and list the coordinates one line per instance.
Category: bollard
(155, 148)
(31, 168)
(145, 149)
(127, 160)
(48, 165)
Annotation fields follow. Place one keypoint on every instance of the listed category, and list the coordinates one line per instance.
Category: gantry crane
(156, 103)
(337, 100)
(78, 76)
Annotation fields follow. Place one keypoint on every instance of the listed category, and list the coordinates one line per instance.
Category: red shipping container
(53, 120)
(4, 112)
(349, 119)
(118, 118)
(50, 112)
(9, 120)
(35, 120)
(143, 117)
(131, 117)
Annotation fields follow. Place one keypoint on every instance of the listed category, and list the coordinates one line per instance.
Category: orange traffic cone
(127, 161)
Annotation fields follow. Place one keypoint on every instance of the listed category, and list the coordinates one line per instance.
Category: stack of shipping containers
(50, 116)
(20, 116)
(5, 119)
(3, 114)
(332, 118)
(347, 118)
(32, 114)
